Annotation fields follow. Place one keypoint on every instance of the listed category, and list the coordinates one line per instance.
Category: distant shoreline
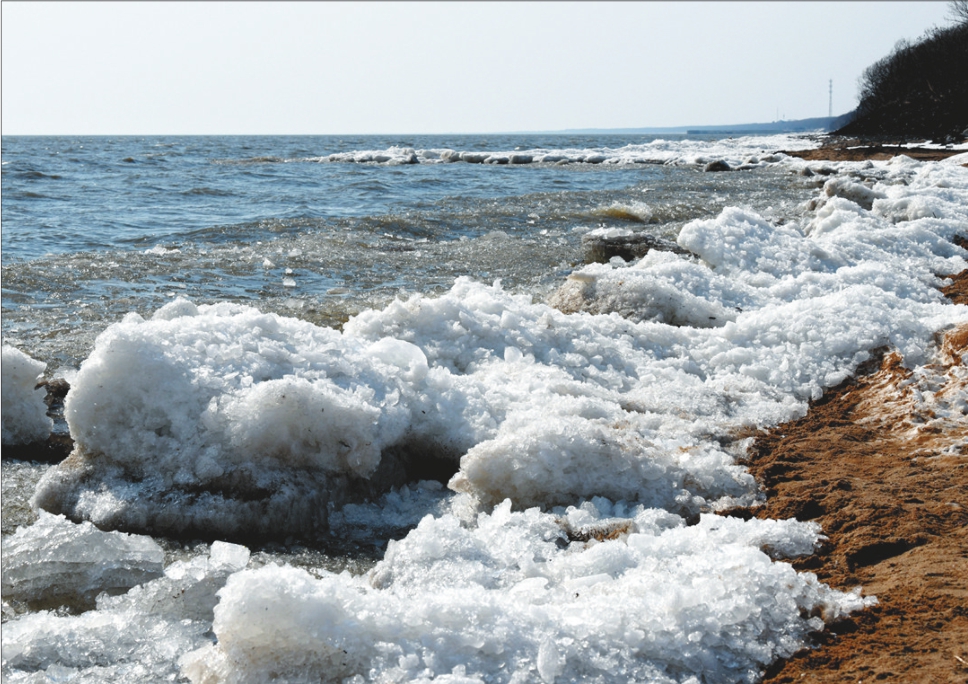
(854, 149)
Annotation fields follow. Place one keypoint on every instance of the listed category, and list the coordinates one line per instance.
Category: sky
(170, 68)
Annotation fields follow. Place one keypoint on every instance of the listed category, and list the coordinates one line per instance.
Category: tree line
(920, 89)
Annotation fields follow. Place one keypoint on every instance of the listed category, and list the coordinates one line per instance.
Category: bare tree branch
(958, 11)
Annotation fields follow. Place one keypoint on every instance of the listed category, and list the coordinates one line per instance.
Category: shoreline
(837, 149)
(889, 486)
(891, 504)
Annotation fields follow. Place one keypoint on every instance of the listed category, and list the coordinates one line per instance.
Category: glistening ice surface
(588, 434)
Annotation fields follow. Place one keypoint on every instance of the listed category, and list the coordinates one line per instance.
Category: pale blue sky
(371, 67)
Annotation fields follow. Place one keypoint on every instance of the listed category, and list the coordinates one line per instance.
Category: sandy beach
(852, 149)
(889, 485)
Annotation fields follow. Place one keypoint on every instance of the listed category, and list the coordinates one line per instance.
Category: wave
(31, 174)
(746, 152)
(208, 192)
(267, 159)
(636, 212)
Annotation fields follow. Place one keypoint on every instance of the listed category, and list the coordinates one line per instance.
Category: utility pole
(830, 105)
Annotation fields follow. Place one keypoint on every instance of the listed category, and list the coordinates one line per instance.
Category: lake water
(96, 227)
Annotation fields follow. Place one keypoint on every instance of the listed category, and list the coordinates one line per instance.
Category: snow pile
(133, 637)
(219, 399)
(514, 597)
(24, 413)
(224, 420)
(221, 420)
(57, 562)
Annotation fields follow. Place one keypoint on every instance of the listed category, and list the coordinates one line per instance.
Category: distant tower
(830, 105)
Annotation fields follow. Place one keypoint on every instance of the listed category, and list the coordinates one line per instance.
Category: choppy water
(96, 227)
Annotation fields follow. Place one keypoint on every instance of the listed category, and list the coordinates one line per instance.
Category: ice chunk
(541, 459)
(134, 637)
(24, 412)
(661, 287)
(231, 556)
(855, 192)
(188, 589)
(57, 562)
(741, 244)
(510, 599)
(224, 421)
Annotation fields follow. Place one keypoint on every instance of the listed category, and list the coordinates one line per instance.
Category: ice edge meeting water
(594, 417)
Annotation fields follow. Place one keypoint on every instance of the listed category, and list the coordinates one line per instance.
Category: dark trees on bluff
(920, 89)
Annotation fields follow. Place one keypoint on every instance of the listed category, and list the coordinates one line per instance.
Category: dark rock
(598, 248)
(54, 449)
(718, 165)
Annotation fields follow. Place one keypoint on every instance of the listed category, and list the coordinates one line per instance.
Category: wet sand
(851, 149)
(887, 480)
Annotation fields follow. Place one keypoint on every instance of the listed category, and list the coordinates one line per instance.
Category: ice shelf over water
(588, 442)
(134, 637)
(57, 562)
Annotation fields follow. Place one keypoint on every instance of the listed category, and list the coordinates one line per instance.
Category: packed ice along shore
(589, 438)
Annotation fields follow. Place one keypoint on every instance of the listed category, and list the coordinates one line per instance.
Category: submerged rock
(599, 247)
(718, 165)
